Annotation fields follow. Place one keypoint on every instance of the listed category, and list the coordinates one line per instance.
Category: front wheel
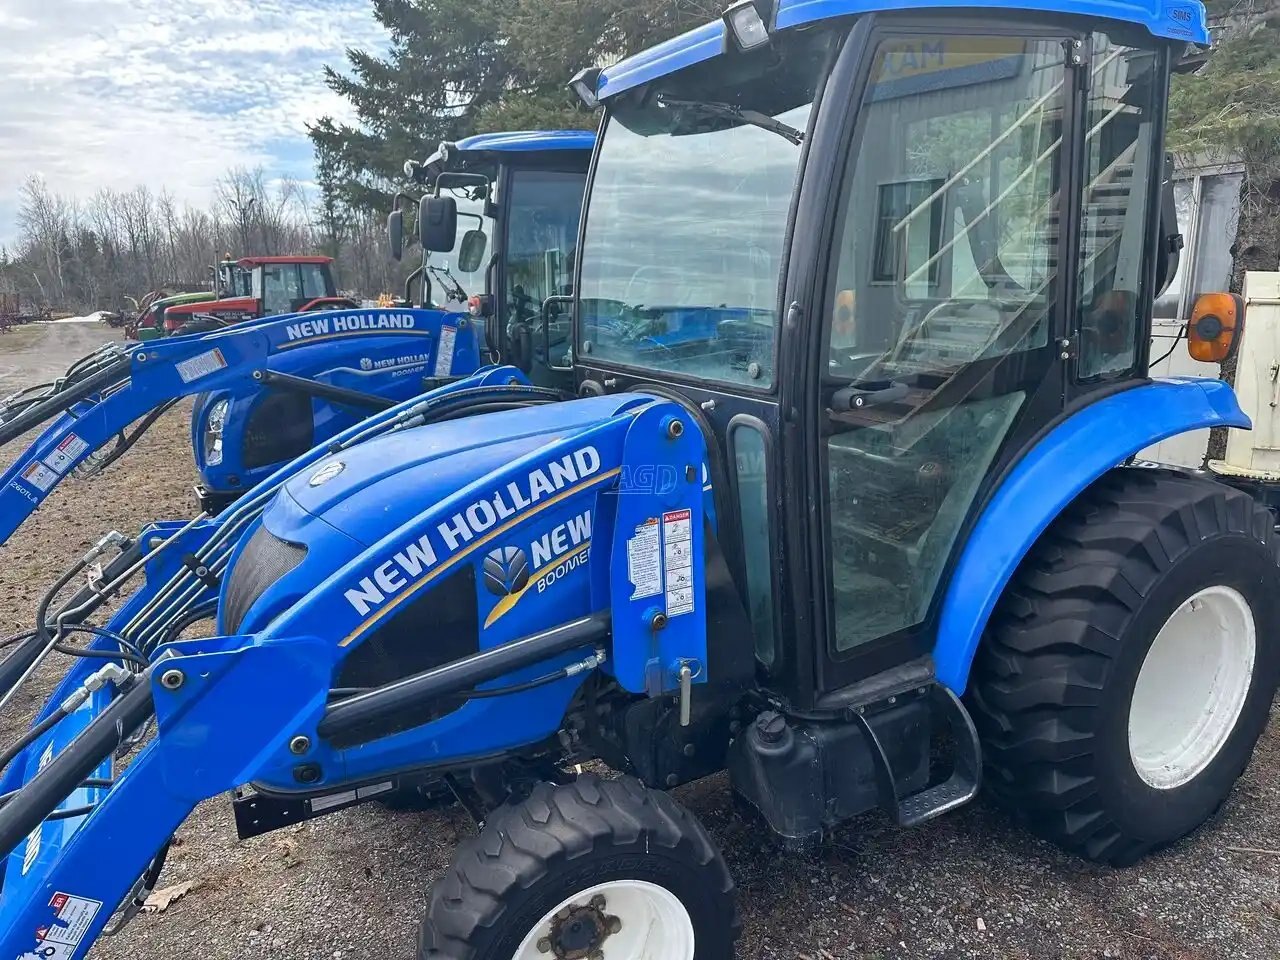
(1130, 667)
(590, 870)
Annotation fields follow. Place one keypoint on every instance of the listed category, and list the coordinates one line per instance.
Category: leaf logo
(506, 571)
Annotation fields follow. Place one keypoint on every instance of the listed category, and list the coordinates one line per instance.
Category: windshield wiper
(715, 108)
(446, 278)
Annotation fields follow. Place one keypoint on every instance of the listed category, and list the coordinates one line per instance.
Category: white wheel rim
(1192, 687)
(654, 924)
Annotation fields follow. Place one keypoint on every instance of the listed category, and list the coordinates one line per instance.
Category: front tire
(1130, 666)
(583, 870)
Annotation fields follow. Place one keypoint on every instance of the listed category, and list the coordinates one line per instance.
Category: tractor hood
(372, 489)
(347, 503)
(212, 306)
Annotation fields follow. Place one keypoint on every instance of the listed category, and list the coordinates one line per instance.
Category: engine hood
(372, 489)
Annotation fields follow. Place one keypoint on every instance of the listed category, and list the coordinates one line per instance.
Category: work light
(747, 25)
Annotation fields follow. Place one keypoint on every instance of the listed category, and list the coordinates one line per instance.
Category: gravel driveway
(353, 885)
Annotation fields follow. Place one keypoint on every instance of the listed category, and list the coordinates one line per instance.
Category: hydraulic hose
(31, 736)
(64, 399)
(96, 743)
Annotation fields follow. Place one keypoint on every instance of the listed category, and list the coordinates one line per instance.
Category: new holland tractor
(858, 333)
(270, 390)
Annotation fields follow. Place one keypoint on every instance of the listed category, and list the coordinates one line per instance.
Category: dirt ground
(971, 885)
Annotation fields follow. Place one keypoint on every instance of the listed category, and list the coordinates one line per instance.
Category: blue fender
(1052, 474)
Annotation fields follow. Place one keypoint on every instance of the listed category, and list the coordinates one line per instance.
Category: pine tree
(458, 67)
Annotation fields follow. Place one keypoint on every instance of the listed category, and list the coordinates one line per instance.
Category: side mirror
(438, 223)
(471, 252)
(1215, 327)
(395, 233)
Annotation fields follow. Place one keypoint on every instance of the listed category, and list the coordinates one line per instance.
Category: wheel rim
(1192, 687)
(620, 920)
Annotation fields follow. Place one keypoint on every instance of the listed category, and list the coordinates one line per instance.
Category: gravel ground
(353, 885)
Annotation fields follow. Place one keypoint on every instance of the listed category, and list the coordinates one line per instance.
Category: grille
(280, 428)
(266, 558)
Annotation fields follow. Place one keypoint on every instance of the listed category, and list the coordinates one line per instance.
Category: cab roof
(1167, 19)
(491, 146)
(524, 141)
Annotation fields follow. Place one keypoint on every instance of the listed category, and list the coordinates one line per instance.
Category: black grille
(266, 558)
(438, 627)
(280, 428)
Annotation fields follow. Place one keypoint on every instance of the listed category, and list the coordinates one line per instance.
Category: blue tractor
(858, 324)
(270, 390)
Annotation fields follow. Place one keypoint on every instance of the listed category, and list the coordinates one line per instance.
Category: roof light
(585, 84)
(747, 25)
(412, 170)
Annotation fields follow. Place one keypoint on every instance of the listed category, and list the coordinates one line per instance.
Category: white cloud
(114, 93)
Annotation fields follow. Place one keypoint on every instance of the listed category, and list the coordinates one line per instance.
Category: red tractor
(277, 285)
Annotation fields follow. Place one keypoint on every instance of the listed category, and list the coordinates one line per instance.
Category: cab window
(1120, 146)
(943, 282)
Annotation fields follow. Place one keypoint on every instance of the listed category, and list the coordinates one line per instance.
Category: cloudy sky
(169, 93)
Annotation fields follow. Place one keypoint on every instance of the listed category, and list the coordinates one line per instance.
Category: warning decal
(40, 476)
(644, 560)
(65, 453)
(444, 351)
(201, 365)
(72, 917)
(677, 555)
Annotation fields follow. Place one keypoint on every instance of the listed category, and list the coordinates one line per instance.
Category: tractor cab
(261, 287)
(881, 257)
(526, 189)
(231, 279)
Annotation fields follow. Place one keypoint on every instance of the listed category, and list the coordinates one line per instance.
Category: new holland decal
(324, 327)
(559, 551)
(376, 593)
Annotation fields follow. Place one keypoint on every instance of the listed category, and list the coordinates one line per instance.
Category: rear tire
(593, 865)
(1138, 601)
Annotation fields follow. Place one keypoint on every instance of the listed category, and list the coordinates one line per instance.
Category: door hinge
(1068, 349)
(1078, 57)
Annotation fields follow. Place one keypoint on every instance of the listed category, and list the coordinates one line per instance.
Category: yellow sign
(911, 58)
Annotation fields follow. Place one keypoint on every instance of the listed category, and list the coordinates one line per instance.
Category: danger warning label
(65, 453)
(72, 918)
(677, 557)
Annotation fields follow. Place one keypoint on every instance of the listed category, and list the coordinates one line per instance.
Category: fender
(1051, 475)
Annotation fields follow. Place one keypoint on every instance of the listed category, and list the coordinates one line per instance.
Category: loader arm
(315, 352)
(221, 721)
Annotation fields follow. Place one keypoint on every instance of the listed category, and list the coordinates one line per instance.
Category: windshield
(683, 244)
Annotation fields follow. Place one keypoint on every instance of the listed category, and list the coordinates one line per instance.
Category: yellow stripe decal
(382, 331)
(473, 547)
(511, 599)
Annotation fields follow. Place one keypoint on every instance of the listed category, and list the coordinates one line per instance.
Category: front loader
(314, 375)
(277, 386)
(857, 329)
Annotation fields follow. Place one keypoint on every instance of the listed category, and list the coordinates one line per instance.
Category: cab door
(939, 314)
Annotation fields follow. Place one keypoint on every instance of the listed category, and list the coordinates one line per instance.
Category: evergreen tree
(458, 67)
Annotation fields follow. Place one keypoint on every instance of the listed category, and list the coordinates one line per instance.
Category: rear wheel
(590, 870)
(1131, 664)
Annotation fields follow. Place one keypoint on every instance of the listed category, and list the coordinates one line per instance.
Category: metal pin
(686, 694)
